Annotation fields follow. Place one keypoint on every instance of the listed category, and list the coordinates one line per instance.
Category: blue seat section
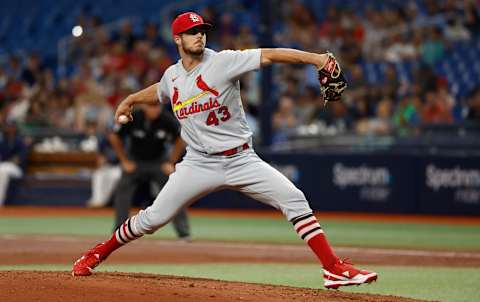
(460, 67)
(40, 27)
(27, 25)
(46, 21)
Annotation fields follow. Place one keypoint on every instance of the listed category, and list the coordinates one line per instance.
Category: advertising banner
(449, 185)
(353, 182)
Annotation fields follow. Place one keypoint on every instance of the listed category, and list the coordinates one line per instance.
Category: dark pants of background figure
(145, 171)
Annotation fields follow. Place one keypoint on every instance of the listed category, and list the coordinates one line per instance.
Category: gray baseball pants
(199, 174)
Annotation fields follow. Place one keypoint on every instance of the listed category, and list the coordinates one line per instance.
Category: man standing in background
(147, 159)
(106, 175)
(13, 155)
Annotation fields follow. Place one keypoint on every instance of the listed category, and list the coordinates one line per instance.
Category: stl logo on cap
(194, 18)
(186, 21)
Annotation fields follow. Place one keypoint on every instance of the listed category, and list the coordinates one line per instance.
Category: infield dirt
(61, 286)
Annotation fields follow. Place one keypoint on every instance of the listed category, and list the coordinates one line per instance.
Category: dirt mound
(118, 287)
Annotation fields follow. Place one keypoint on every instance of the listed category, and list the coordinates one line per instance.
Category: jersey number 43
(222, 112)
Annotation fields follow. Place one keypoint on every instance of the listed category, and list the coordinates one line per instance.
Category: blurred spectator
(407, 115)
(425, 80)
(251, 120)
(227, 29)
(13, 155)
(350, 50)
(92, 112)
(444, 93)
(436, 109)
(474, 107)
(400, 49)
(61, 112)
(375, 33)
(125, 36)
(3, 79)
(289, 86)
(159, 62)
(456, 31)
(36, 116)
(301, 26)
(14, 68)
(245, 38)
(91, 106)
(306, 105)
(356, 84)
(452, 9)
(106, 175)
(433, 49)
(333, 118)
(17, 109)
(357, 29)
(341, 118)
(284, 119)
(250, 84)
(210, 15)
(381, 124)
(329, 31)
(472, 18)
(116, 60)
(391, 83)
(360, 108)
(138, 61)
(151, 35)
(32, 72)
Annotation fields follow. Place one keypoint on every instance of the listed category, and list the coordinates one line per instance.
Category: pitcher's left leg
(194, 177)
(259, 180)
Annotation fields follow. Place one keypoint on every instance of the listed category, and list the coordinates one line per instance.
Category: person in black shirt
(147, 158)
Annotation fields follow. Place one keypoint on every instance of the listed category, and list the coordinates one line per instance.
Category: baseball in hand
(123, 119)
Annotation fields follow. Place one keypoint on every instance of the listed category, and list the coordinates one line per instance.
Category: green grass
(428, 283)
(270, 230)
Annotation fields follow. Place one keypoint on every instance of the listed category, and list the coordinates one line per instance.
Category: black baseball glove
(332, 81)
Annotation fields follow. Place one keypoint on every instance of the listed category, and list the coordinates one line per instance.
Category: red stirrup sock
(309, 230)
(124, 234)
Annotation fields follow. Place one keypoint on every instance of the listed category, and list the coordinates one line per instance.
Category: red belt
(233, 151)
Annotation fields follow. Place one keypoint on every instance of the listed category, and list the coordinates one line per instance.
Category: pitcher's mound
(119, 287)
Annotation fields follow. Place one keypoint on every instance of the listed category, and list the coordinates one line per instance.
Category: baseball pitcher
(204, 92)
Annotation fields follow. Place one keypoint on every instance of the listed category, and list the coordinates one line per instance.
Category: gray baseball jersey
(206, 101)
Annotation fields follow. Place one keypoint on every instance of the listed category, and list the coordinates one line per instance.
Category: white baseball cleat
(343, 273)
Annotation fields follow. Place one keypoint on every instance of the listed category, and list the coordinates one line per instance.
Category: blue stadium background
(412, 107)
(27, 26)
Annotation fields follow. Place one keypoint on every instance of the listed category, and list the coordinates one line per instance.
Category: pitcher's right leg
(192, 179)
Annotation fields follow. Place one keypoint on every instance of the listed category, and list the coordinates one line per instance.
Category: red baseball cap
(186, 21)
